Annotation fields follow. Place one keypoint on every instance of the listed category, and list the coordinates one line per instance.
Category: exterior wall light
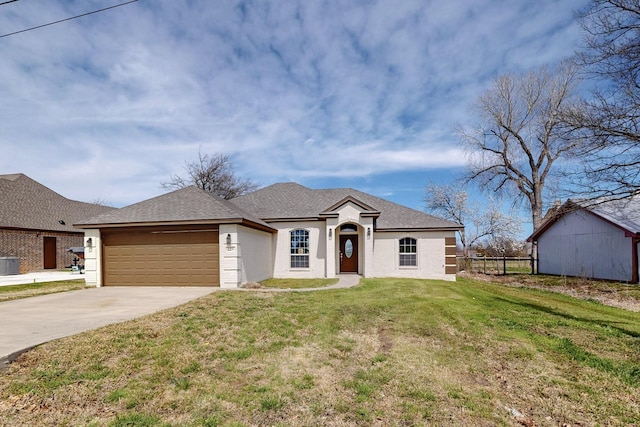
(368, 232)
(228, 239)
(89, 242)
(330, 234)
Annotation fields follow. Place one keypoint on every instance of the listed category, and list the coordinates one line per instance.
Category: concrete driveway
(28, 322)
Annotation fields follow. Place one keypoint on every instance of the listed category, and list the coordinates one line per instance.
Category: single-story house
(36, 223)
(286, 230)
(598, 241)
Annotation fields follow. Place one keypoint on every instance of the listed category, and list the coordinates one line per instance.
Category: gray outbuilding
(598, 241)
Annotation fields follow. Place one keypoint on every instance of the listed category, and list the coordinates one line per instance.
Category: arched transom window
(349, 228)
(299, 249)
(408, 252)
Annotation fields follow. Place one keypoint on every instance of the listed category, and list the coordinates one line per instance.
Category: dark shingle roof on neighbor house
(294, 201)
(186, 205)
(29, 205)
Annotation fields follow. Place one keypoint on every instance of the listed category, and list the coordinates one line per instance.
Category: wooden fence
(496, 265)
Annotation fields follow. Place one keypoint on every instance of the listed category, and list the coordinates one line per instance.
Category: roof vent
(61, 222)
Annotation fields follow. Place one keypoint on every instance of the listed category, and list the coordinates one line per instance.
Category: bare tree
(501, 229)
(101, 202)
(609, 122)
(612, 48)
(480, 223)
(212, 173)
(504, 247)
(450, 202)
(521, 134)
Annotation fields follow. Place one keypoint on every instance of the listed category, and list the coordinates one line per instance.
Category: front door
(349, 254)
(49, 249)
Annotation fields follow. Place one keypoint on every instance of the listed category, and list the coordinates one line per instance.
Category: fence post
(533, 271)
(504, 264)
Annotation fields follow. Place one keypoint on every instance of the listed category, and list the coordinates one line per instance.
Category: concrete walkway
(344, 281)
(39, 277)
(29, 322)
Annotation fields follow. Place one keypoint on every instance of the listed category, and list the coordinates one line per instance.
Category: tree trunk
(536, 208)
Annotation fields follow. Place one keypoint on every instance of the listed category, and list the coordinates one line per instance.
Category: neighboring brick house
(36, 223)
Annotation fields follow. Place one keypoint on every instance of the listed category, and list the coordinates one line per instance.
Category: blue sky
(363, 94)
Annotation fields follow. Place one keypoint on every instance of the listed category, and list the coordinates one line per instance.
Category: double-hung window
(408, 252)
(299, 249)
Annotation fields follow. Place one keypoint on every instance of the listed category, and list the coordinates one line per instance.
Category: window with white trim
(408, 252)
(299, 249)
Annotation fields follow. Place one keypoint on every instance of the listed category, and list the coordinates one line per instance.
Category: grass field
(8, 293)
(298, 283)
(388, 352)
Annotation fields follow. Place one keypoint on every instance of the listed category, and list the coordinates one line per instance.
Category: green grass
(518, 270)
(298, 283)
(12, 292)
(389, 352)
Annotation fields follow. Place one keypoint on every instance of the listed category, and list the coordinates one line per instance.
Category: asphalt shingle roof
(186, 204)
(294, 201)
(27, 204)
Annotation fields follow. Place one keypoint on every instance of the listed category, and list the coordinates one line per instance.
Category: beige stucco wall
(256, 255)
(249, 257)
(430, 259)
(317, 250)
(93, 258)
(350, 214)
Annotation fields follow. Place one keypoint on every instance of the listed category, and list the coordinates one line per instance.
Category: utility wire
(9, 1)
(66, 19)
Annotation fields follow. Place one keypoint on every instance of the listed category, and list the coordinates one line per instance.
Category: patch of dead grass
(368, 356)
(620, 295)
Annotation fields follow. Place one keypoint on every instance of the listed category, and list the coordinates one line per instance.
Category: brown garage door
(161, 258)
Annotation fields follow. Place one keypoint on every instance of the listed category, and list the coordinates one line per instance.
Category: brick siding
(28, 246)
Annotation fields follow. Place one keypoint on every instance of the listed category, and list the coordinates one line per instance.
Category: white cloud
(111, 104)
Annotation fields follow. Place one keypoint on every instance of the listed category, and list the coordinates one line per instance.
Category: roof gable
(365, 209)
(624, 214)
(186, 205)
(291, 201)
(27, 204)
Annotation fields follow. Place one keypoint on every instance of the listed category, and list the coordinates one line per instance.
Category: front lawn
(388, 352)
(298, 283)
(12, 292)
